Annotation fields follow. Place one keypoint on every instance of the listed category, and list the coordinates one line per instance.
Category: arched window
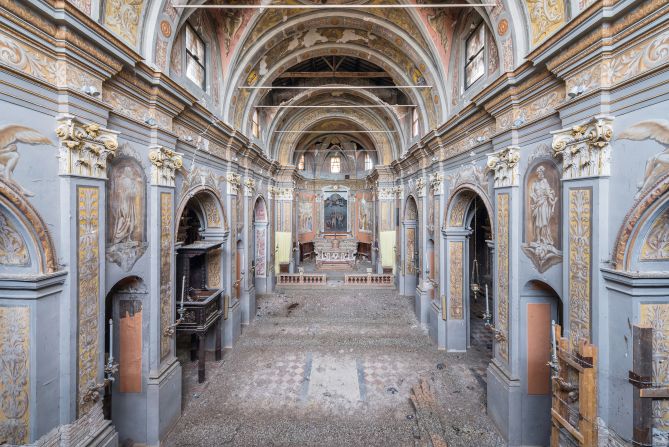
(369, 164)
(414, 122)
(335, 164)
(195, 57)
(300, 164)
(474, 64)
(256, 124)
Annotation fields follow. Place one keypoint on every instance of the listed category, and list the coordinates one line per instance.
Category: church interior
(334, 222)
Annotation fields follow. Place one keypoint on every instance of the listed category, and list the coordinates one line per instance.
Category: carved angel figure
(658, 130)
(10, 136)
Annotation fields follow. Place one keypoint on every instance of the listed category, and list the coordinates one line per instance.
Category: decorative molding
(15, 374)
(656, 243)
(84, 148)
(546, 17)
(166, 249)
(502, 252)
(277, 193)
(504, 164)
(436, 183)
(164, 163)
(585, 149)
(88, 286)
(249, 187)
(13, 248)
(470, 174)
(386, 193)
(234, 182)
(580, 264)
(455, 279)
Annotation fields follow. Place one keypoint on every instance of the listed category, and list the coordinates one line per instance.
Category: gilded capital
(84, 148)
(585, 149)
(504, 165)
(249, 186)
(234, 182)
(164, 163)
(436, 182)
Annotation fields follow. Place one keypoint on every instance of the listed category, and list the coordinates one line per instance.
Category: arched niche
(126, 308)
(25, 244)
(459, 202)
(260, 243)
(411, 240)
(641, 244)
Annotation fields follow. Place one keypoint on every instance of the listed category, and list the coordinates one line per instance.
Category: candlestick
(487, 302)
(111, 341)
(553, 341)
(183, 290)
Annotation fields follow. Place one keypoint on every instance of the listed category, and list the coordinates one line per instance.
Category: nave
(335, 367)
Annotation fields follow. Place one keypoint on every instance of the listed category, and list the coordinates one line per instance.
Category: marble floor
(335, 368)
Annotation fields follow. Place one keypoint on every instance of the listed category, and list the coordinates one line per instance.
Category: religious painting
(364, 215)
(125, 213)
(335, 212)
(306, 217)
(542, 215)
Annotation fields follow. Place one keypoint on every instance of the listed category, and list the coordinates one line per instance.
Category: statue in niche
(126, 211)
(542, 203)
(658, 165)
(541, 219)
(10, 135)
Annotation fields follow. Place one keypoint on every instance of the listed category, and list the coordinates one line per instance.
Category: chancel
(334, 223)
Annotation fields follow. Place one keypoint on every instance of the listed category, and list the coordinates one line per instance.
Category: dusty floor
(334, 367)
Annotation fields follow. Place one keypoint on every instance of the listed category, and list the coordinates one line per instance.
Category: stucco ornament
(249, 186)
(436, 182)
(657, 166)
(10, 136)
(13, 248)
(504, 164)
(164, 163)
(234, 182)
(656, 244)
(546, 17)
(585, 149)
(85, 148)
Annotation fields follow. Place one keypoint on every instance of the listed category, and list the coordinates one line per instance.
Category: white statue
(542, 204)
(658, 130)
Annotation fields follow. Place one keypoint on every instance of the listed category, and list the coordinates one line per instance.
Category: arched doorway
(466, 242)
(260, 226)
(411, 249)
(539, 306)
(479, 268)
(127, 344)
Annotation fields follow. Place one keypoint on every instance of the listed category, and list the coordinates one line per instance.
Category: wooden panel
(130, 342)
(538, 348)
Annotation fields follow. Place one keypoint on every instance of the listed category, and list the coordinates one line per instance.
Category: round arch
(459, 202)
(647, 209)
(209, 207)
(30, 229)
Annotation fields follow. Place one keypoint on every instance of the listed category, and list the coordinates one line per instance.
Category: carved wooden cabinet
(202, 306)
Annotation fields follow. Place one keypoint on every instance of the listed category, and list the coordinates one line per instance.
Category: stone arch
(208, 204)
(28, 231)
(648, 210)
(459, 202)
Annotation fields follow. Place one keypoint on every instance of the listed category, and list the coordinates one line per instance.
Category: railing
(370, 279)
(297, 279)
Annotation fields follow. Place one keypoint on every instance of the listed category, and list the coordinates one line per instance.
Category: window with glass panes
(474, 63)
(195, 57)
(300, 164)
(335, 165)
(368, 163)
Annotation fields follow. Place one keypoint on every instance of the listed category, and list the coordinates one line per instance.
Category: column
(248, 289)
(504, 386)
(164, 383)
(423, 286)
(84, 151)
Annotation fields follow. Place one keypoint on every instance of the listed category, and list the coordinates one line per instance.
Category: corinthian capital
(164, 163)
(585, 149)
(504, 164)
(84, 148)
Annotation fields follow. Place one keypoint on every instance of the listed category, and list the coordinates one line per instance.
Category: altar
(335, 251)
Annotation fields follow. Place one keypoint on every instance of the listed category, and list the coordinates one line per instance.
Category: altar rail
(297, 279)
(369, 279)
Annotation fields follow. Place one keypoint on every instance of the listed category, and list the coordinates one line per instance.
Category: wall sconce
(150, 121)
(576, 91)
